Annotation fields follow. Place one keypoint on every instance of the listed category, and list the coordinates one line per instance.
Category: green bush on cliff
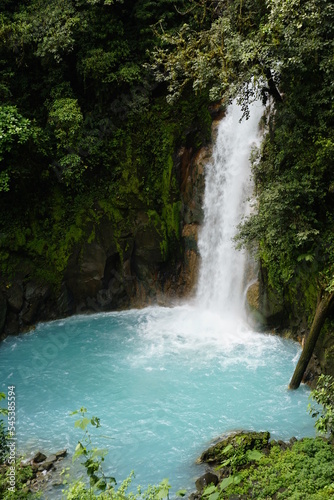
(323, 395)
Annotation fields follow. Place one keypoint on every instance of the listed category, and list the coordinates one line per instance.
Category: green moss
(238, 443)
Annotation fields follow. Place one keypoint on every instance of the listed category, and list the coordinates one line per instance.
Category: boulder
(45, 466)
(61, 454)
(204, 481)
(244, 440)
(39, 457)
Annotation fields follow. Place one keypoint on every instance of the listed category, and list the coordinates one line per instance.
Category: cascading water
(227, 187)
(164, 381)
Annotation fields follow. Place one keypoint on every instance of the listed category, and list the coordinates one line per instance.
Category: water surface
(164, 382)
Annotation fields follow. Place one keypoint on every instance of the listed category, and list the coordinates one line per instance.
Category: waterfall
(227, 187)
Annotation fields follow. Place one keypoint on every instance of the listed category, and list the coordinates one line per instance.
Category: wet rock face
(192, 183)
(266, 307)
(15, 297)
(23, 303)
(147, 251)
(85, 271)
(35, 296)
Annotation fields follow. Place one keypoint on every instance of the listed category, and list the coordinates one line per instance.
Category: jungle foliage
(85, 130)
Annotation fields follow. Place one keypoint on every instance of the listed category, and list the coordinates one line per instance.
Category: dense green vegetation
(85, 131)
(303, 470)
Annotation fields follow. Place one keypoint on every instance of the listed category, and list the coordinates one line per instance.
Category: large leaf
(254, 455)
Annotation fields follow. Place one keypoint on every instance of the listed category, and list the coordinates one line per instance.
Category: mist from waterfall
(227, 188)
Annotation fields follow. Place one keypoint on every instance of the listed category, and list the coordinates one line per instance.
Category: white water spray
(227, 186)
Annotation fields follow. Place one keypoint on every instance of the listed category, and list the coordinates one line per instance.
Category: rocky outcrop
(23, 301)
(243, 440)
(43, 472)
(265, 307)
(229, 454)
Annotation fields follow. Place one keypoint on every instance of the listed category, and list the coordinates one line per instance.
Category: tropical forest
(166, 249)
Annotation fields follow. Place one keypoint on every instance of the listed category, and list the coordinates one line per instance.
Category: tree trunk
(321, 313)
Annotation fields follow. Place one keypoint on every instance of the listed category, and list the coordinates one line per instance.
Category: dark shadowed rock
(38, 457)
(204, 481)
(147, 251)
(12, 325)
(29, 311)
(45, 466)
(3, 311)
(61, 453)
(104, 299)
(65, 301)
(85, 271)
(36, 291)
(194, 496)
(15, 297)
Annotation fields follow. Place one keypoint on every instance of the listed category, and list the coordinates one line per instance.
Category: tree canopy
(84, 124)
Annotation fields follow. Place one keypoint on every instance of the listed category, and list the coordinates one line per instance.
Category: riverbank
(250, 465)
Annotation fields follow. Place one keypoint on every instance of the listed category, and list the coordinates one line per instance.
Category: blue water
(164, 382)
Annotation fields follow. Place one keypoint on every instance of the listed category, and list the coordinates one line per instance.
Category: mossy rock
(241, 441)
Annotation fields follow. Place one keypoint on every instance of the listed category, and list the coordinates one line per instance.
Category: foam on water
(163, 381)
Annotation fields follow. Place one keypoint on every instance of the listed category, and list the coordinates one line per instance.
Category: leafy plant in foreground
(100, 485)
(323, 394)
(3, 435)
(303, 471)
